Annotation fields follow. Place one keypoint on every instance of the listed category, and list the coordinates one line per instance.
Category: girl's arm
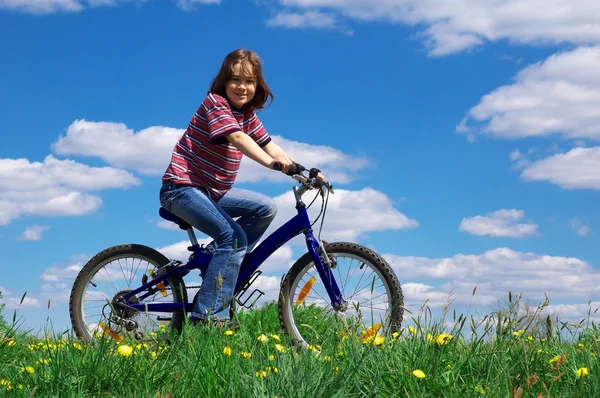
(250, 148)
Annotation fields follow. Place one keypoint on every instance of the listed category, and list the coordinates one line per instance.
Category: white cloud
(34, 232)
(149, 151)
(578, 226)
(307, 19)
(560, 95)
(455, 25)
(495, 273)
(11, 301)
(350, 214)
(578, 168)
(499, 223)
(54, 187)
(190, 5)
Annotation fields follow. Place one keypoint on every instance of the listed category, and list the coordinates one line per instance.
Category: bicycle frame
(300, 223)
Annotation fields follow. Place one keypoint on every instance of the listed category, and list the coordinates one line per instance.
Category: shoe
(232, 324)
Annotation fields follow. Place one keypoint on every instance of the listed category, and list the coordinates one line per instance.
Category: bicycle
(308, 290)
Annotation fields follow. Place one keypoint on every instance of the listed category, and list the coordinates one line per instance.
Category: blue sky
(463, 140)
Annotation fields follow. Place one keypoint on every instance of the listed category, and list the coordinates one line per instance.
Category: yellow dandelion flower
(261, 373)
(418, 373)
(443, 339)
(125, 350)
(271, 357)
(529, 338)
(395, 335)
(312, 347)
(479, 389)
(327, 358)
(554, 359)
(430, 338)
(582, 372)
(6, 384)
(276, 370)
(379, 340)
(229, 333)
(246, 354)
(412, 330)
(227, 350)
(28, 369)
(279, 347)
(275, 337)
(340, 354)
(77, 346)
(32, 347)
(262, 338)
(337, 369)
(518, 332)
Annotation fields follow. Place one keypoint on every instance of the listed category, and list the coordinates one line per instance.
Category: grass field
(500, 355)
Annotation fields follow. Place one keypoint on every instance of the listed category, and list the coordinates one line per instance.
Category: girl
(197, 185)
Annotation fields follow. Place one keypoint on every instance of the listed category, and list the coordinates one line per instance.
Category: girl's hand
(286, 161)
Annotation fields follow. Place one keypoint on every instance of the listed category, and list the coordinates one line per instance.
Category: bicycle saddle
(167, 215)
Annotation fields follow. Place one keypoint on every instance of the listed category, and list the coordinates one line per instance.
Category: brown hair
(246, 58)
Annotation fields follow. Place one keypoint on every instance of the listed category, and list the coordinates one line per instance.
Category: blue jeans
(232, 239)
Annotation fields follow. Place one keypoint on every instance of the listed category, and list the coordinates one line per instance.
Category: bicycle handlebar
(310, 181)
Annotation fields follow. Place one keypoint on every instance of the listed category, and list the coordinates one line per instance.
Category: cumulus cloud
(452, 26)
(578, 168)
(350, 214)
(54, 187)
(148, 151)
(579, 227)
(499, 223)
(34, 232)
(298, 20)
(495, 273)
(558, 96)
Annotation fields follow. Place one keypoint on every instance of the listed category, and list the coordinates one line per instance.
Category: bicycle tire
(297, 270)
(103, 258)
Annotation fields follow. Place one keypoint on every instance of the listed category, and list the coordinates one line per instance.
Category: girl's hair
(246, 59)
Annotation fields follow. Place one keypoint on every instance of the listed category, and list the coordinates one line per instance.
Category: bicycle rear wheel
(108, 276)
(367, 283)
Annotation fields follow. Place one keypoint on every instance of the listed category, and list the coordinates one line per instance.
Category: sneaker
(232, 324)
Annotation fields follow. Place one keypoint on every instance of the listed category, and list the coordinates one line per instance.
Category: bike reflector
(305, 289)
(160, 286)
(111, 333)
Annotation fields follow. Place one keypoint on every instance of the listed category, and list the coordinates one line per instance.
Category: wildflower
(554, 359)
(379, 340)
(412, 330)
(418, 373)
(279, 347)
(518, 332)
(327, 358)
(271, 357)
(32, 347)
(430, 338)
(443, 339)
(337, 369)
(125, 350)
(529, 338)
(246, 354)
(227, 350)
(261, 373)
(479, 389)
(262, 338)
(28, 369)
(395, 335)
(77, 346)
(229, 333)
(6, 384)
(275, 337)
(43, 361)
(8, 341)
(582, 372)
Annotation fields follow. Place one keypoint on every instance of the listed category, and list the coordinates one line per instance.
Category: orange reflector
(114, 335)
(305, 289)
(371, 331)
(160, 286)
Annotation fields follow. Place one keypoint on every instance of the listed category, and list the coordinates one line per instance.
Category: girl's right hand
(285, 161)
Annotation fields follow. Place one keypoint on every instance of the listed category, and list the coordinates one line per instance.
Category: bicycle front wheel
(368, 285)
(101, 283)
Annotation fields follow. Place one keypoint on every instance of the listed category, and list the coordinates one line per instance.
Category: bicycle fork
(324, 269)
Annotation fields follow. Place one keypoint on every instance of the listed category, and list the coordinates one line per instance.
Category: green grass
(497, 356)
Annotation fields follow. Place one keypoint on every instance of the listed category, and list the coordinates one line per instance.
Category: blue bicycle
(340, 287)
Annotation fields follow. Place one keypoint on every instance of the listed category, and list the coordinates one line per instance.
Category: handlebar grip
(296, 168)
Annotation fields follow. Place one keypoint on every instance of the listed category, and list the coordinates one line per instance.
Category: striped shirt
(203, 157)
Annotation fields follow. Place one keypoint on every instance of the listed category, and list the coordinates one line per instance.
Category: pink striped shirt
(203, 157)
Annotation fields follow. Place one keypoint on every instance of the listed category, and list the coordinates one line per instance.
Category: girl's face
(241, 87)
